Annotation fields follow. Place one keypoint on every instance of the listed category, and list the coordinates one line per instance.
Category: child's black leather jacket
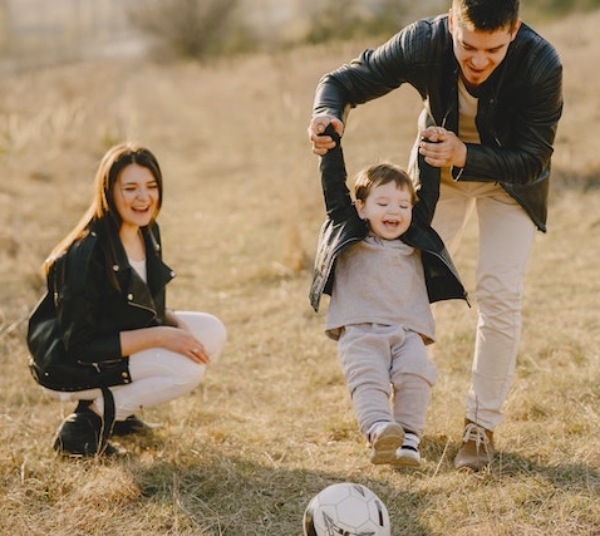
(344, 228)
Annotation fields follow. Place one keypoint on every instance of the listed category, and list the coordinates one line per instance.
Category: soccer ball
(346, 509)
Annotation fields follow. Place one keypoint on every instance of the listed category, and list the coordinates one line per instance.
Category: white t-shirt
(140, 268)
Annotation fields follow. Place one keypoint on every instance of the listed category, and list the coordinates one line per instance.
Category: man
(492, 95)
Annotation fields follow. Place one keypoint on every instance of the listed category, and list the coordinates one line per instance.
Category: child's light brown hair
(380, 174)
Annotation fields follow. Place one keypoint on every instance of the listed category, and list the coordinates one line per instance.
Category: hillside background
(71, 29)
(34, 33)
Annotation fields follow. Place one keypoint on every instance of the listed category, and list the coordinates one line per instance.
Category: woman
(123, 350)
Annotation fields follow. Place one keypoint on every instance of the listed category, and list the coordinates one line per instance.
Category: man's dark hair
(488, 15)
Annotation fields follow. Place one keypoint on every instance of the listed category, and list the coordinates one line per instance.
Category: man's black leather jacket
(519, 105)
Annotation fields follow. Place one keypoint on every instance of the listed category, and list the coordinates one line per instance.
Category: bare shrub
(356, 19)
(339, 19)
(578, 180)
(191, 28)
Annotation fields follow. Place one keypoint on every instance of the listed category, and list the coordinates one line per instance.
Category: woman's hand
(177, 339)
(181, 340)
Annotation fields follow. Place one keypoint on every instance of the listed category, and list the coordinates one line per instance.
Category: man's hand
(318, 124)
(442, 148)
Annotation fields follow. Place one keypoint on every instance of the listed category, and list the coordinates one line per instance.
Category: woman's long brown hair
(102, 215)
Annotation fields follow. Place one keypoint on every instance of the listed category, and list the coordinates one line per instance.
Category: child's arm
(333, 180)
(429, 191)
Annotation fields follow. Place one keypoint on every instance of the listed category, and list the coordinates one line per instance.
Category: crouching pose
(102, 335)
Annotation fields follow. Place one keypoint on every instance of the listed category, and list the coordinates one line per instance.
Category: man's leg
(452, 213)
(506, 236)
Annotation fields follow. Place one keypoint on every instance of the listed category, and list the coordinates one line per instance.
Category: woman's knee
(216, 338)
(189, 373)
(208, 329)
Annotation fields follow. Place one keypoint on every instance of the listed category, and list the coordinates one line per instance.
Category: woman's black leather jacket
(92, 312)
(519, 105)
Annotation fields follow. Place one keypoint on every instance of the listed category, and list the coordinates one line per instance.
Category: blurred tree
(190, 28)
(5, 27)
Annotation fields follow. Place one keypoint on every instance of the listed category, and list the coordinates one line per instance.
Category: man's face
(478, 52)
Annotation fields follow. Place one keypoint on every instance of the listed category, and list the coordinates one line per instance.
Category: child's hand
(322, 143)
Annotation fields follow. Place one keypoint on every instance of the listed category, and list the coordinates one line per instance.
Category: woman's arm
(176, 339)
(171, 319)
(80, 315)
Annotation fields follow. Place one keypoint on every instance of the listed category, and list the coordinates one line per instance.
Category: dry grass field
(272, 424)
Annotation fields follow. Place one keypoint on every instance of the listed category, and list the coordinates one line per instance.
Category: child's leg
(365, 357)
(411, 400)
(413, 375)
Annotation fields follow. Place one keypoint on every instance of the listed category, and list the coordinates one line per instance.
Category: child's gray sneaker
(408, 454)
(385, 439)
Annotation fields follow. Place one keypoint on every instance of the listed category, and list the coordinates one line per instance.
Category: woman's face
(136, 196)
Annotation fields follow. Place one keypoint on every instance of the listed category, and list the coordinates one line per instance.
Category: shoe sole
(473, 461)
(110, 451)
(385, 446)
(472, 465)
(405, 461)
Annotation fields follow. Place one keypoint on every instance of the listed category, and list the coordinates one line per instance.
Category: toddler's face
(388, 209)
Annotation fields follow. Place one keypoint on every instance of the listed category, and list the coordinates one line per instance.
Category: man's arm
(373, 74)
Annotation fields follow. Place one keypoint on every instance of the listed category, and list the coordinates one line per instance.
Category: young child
(381, 269)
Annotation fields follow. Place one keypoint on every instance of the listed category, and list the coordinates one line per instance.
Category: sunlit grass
(273, 424)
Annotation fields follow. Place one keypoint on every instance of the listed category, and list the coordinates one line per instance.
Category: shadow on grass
(217, 495)
(205, 491)
(571, 475)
